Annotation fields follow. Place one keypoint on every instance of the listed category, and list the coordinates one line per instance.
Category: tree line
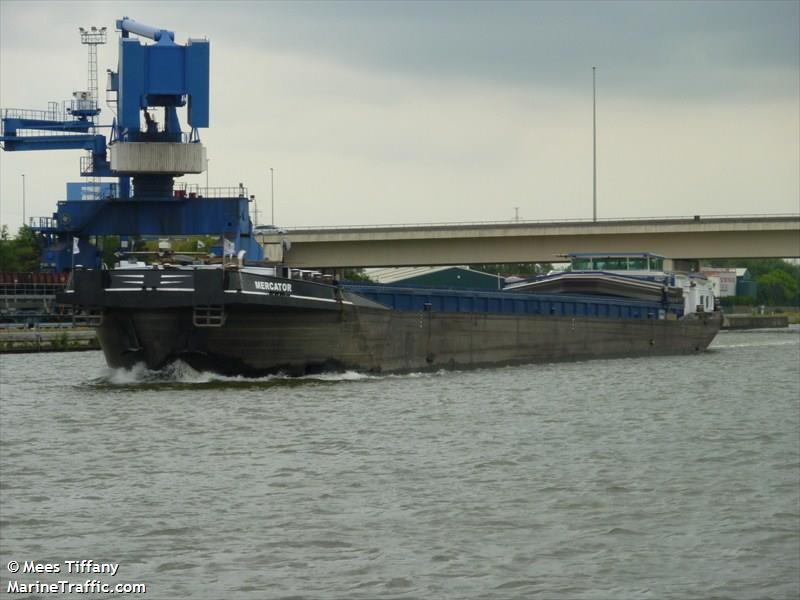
(22, 252)
(19, 254)
(778, 280)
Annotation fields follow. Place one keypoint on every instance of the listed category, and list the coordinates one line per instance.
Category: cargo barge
(255, 318)
(247, 320)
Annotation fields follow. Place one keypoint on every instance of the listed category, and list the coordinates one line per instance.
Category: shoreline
(48, 340)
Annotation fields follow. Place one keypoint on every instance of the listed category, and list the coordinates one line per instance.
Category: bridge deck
(509, 242)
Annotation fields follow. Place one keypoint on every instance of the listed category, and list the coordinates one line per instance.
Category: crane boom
(126, 26)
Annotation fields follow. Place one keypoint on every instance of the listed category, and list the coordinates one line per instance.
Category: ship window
(582, 264)
(600, 263)
(637, 264)
(656, 264)
(616, 264)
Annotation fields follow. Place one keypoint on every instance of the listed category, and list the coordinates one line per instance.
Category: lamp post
(272, 194)
(23, 199)
(594, 146)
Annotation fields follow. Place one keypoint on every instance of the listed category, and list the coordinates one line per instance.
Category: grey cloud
(422, 111)
(705, 48)
(702, 49)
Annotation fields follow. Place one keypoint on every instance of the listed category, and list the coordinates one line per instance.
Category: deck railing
(55, 112)
(193, 190)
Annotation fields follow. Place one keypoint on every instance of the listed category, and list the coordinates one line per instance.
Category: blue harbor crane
(146, 150)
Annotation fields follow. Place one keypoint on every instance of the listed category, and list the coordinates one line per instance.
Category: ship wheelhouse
(635, 261)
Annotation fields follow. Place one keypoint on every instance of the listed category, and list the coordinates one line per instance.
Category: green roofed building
(440, 277)
(745, 285)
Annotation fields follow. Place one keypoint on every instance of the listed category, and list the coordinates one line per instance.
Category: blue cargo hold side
(472, 301)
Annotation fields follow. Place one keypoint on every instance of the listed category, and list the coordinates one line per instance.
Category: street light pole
(594, 146)
(272, 193)
(23, 199)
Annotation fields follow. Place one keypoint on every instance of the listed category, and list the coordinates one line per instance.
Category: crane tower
(157, 83)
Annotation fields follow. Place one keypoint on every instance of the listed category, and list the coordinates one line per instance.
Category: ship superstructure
(636, 275)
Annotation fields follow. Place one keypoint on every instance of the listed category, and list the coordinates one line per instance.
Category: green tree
(758, 266)
(356, 275)
(778, 280)
(190, 244)
(8, 256)
(110, 247)
(778, 288)
(21, 253)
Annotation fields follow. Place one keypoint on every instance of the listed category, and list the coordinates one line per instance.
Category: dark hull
(261, 340)
(246, 323)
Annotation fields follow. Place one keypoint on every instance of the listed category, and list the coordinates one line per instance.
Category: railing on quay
(31, 289)
(34, 320)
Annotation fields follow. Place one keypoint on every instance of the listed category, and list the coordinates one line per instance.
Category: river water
(655, 478)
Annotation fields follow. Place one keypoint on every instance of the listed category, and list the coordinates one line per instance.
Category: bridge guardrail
(522, 223)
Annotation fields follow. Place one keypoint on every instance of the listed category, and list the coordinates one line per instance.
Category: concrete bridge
(770, 236)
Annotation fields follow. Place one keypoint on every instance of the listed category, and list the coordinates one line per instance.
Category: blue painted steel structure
(164, 76)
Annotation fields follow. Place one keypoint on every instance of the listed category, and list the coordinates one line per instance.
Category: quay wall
(754, 321)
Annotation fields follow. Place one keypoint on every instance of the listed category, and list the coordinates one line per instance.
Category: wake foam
(180, 372)
(756, 344)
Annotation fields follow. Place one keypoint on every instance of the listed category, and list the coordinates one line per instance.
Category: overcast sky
(381, 112)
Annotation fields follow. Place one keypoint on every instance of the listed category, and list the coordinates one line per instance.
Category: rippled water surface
(635, 478)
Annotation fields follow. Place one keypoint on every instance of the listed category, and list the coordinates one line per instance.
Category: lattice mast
(86, 103)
